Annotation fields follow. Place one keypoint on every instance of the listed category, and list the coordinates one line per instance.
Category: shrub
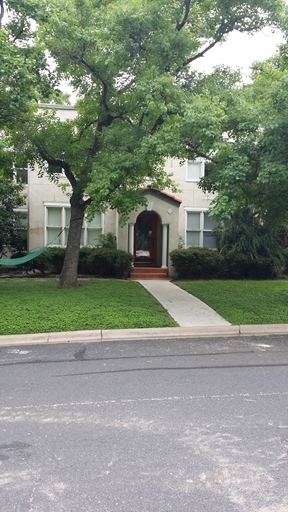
(100, 262)
(97, 261)
(82, 262)
(104, 262)
(55, 256)
(50, 261)
(285, 255)
(242, 267)
(107, 240)
(195, 263)
(123, 264)
(198, 263)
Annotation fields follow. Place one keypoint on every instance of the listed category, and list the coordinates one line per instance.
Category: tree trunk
(68, 278)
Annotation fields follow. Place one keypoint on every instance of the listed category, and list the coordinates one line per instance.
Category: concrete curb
(143, 334)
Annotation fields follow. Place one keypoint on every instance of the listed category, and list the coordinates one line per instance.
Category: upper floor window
(21, 175)
(194, 170)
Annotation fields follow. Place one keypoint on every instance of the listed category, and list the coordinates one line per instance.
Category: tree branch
(57, 162)
(195, 148)
(223, 29)
(180, 25)
(97, 75)
(1, 12)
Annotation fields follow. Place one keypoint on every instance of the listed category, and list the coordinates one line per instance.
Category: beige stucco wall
(188, 191)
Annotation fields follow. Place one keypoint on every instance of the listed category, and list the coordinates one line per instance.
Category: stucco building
(167, 221)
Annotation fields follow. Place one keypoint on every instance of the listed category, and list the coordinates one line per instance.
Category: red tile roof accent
(162, 192)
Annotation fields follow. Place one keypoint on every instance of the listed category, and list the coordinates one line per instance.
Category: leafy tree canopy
(140, 99)
(251, 169)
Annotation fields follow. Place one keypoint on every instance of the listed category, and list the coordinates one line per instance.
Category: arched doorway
(145, 239)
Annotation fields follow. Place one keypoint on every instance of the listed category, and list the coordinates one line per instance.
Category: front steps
(149, 273)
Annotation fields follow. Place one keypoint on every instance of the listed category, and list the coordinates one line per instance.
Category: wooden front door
(145, 243)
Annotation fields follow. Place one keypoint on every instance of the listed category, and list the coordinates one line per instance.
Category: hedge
(200, 263)
(101, 262)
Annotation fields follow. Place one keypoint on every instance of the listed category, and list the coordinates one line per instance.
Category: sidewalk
(195, 320)
(185, 309)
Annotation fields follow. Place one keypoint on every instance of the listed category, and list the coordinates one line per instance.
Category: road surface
(196, 425)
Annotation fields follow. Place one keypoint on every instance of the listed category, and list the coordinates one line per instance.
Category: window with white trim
(199, 228)
(194, 170)
(57, 219)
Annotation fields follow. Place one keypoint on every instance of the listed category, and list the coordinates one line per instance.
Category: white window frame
(66, 206)
(201, 230)
(202, 169)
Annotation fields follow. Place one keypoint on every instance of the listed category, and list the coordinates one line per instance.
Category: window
(194, 170)
(199, 227)
(21, 175)
(57, 219)
(20, 242)
(54, 170)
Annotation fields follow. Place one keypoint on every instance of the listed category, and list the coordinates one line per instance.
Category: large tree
(251, 167)
(139, 96)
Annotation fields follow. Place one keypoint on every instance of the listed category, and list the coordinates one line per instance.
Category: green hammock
(19, 261)
(11, 262)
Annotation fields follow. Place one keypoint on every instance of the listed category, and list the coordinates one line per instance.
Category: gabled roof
(161, 194)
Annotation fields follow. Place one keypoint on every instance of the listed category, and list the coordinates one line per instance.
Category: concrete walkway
(187, 310)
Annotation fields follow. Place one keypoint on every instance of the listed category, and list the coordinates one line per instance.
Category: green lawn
(37, 305)
(243, 302)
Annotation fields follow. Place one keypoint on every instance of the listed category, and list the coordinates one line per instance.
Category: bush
(123, 264)
(82, 262)
(104, 262)
(242, 267)
(50, 261)
(107, 240)
(56, 256)
(196, 263)
(98, 261)
(285, 255)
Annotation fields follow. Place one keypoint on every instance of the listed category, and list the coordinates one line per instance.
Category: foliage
(105, 262)
(107, 240)
(101, 262)
(261, 267)
(244, 234)
(199, 263)
(285, 255)
(123, 264)
(243, 302)
(10, 220)
(195, 263)
(139, 98)
(250, 168)
(249, 248)
(95, 304)
(50, 261)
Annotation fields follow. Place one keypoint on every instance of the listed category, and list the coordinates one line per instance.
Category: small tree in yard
(139, 98)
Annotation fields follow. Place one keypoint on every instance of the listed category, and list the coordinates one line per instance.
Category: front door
(145, 242)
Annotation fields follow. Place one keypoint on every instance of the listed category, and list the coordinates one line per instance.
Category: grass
(37, 305)
(243, 302)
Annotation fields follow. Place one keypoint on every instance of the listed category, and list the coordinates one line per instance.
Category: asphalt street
(198, 425)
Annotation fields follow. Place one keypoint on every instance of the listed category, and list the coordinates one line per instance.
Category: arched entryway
(146, 239)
